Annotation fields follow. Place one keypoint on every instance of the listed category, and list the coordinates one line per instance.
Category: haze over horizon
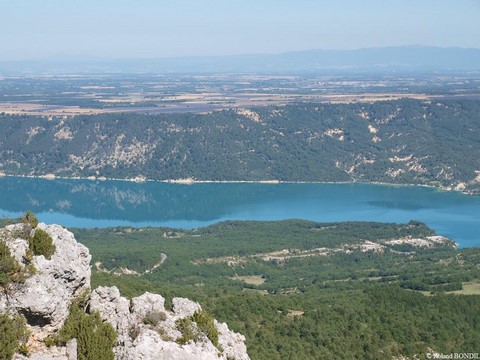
(93, 59)
(124, 29)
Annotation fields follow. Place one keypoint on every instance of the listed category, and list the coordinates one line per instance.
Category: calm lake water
(84, 203)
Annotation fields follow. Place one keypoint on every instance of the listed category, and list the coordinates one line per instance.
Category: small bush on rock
(9, 267)
(95, 339)
(12, 330)
(206, 324)
(29, 218)
(154, 317)
(29, 222)
(42, 244)
(187, 330)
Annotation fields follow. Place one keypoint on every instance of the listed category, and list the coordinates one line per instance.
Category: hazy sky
(32, 29)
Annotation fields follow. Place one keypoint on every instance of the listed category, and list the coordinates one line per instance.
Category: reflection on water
(120, 200)
(403, 205)
(84, 203)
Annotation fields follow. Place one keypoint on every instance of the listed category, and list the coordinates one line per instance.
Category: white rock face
(45, 297)
(111, 306)
(139, 341)
(232, 343)
(149, 346)
(146, 303)
(183, 307)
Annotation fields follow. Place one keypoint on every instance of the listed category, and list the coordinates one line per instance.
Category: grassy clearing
(468, 288)
(256, 280)
(260, 292)
(293, 313)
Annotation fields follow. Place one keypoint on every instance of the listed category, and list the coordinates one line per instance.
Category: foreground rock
(140, 340)
(44, 299)
(146, 330)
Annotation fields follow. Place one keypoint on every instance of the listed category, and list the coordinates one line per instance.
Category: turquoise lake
(84, 203)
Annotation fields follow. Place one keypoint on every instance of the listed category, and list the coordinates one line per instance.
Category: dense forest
(404, 141)
(304, 290)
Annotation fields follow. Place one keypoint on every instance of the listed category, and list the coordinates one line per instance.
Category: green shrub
(49, 341)
(95, 339)
(23, 349)
(185, 327)
(12, 330)
(8, 338)
(9, 267)
(206, 324)
(42, 244)
(28, 257)
(29, 218)
(29, 222)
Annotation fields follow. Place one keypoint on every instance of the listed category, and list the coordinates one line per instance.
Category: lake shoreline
(192, 181)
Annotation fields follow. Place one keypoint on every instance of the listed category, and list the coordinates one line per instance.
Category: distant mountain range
(376, 60)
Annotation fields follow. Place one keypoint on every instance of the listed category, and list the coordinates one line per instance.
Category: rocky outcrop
(146, 330)
(156, 339)
(45, 297)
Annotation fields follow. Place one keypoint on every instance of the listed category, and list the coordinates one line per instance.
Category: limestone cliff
(402, 141)
(146, 330)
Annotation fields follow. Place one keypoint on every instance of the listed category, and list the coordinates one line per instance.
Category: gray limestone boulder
(45, 297)
(183, 308)
(233, 343)
(147, 303)
(139, 340)
(112, 307)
